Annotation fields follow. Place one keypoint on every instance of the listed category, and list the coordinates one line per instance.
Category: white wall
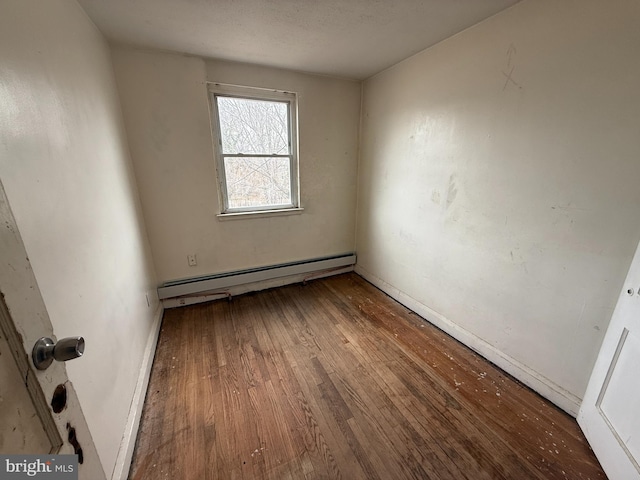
(166, 111)
(65, 167)
(507, 210)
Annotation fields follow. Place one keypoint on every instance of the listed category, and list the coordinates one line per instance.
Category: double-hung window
(255, 136)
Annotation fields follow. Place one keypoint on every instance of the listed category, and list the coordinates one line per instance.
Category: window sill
(259, 214)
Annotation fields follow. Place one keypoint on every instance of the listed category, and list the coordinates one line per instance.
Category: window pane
(257, 181)
(253, 126)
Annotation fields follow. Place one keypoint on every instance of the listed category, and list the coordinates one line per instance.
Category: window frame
(216, 90)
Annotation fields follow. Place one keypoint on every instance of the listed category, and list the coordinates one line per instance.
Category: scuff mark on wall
(519, 261)
(508, 74)
(509, 79)
(511, 51)
(452, 192)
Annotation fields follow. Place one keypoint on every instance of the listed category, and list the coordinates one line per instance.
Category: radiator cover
(221, 281)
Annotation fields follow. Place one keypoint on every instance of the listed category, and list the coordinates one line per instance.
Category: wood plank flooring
(336, 380)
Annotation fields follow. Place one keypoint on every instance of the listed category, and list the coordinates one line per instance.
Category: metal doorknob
(46, 351)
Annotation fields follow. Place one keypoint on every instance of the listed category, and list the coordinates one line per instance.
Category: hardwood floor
(336, 380)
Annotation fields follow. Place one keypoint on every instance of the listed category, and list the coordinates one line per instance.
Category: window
(256, 147)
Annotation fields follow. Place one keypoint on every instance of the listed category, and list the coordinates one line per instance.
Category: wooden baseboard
(125, 453)
(534, 380)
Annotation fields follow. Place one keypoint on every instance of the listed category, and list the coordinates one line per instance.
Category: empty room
(342, 239)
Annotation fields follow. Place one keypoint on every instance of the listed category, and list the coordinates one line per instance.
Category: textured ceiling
(346, 38)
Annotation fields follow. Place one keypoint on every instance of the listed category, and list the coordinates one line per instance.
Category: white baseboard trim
(542, 385)
(253, 287)
(128, 443)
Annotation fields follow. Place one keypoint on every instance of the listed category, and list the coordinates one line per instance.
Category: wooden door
(610, 411)
(28, 423)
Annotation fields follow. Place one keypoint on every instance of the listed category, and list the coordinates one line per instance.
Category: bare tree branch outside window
(256, 151)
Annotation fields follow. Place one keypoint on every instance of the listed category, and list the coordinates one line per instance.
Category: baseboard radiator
(224, 281)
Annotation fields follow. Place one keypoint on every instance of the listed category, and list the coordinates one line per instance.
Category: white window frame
(253, 93)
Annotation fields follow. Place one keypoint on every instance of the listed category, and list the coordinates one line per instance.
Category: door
(21, 428)
(27, 419)
(610, 411)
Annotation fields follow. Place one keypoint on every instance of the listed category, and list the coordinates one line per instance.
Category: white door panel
(610, 411)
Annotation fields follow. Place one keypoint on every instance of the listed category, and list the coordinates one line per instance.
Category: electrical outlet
(191, 259)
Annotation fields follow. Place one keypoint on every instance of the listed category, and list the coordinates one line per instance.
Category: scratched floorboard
(336, 380)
